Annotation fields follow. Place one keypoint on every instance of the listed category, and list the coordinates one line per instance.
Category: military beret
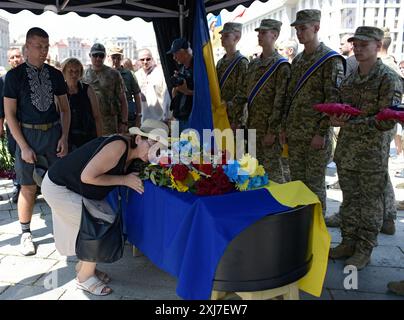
(307, 16)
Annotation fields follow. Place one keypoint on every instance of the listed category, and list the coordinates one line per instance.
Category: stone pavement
(49, 276)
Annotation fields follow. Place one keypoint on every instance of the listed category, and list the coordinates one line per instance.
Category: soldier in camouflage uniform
(231, 71)
(308, 131)
(390, 210)
(110, 90)
(363, 150)
(132, 89)
(266, 107)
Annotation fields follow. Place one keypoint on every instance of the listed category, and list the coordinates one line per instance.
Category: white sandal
(94, 286)
(103, 276)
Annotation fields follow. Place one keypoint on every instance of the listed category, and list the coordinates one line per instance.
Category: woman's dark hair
(132, 140)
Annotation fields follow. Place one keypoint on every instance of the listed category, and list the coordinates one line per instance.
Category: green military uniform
(303, 122)
(266, 109)
(108, 85)
(232, 88)
(362, 154)
(231, 73)
(131, 85)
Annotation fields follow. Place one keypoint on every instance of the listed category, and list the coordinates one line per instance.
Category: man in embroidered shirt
(110, 90)
(266, 100)
(231, 72)
(307, 130)
(154, 93)
(38, 128)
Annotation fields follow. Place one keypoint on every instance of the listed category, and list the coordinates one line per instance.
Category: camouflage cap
(115, 50)
(366, 33)
(307, 16)
(269, 24)
(231, 27)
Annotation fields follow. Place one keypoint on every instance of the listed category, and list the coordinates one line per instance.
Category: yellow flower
(244, 186)
(260, 171)
(178, 185)
(248, 164)
(195, 175)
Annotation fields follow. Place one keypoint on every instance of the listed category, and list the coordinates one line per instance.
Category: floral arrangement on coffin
(186, 169)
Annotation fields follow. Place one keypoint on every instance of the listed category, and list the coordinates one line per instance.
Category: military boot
(396, 287)
(333, 221)
(388, 227)
(343, 250)
(359, 259)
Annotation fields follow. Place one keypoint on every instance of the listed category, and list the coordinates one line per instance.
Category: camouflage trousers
(309, 166)
(389, 201)
(109, 125)
(270, 158)
(362, 207)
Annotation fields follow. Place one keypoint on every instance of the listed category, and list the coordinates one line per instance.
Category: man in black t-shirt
(182, 81)
(38, 128)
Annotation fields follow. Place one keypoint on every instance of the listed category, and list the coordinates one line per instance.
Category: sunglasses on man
(145, 59)
(98, 55)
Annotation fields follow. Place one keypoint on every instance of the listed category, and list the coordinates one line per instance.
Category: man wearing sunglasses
(110, 90)
(154, 94)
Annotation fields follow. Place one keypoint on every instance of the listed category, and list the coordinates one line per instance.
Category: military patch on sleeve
(396, 98)
(340, 78)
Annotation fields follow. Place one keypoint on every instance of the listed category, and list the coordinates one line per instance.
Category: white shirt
(155, 97)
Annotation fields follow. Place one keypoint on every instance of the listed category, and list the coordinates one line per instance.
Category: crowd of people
(78, 120)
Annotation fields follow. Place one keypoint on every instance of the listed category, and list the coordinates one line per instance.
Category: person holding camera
(182, 81)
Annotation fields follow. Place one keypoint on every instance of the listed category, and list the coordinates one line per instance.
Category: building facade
(338, 18)
(128, 44)
(4, 41)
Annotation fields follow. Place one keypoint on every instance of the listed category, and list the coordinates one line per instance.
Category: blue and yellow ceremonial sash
(313, 69)
(229, 70)
(264, 78)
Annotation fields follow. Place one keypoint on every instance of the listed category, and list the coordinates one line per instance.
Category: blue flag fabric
(201, 115)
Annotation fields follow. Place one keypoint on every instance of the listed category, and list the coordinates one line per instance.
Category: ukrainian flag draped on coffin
(207, 110)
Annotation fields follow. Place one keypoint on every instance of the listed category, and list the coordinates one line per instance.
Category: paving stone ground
(49, 276)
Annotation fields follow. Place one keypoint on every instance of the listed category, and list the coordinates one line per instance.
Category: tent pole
(181, 4)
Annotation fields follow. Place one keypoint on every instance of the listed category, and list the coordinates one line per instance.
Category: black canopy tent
(170, 18)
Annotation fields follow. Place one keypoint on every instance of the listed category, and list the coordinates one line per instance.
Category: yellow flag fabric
(219, 114)
(296, 193)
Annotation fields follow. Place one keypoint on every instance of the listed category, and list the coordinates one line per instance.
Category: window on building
(348, 18)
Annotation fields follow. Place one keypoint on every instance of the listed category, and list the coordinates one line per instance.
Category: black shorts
(43, 143)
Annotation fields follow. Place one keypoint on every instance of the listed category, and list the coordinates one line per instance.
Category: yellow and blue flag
(207, 110)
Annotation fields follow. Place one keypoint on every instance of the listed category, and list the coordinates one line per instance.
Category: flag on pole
(239, 15)
(207, 110)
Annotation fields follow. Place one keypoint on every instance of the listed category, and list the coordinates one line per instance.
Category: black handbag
(100, 239)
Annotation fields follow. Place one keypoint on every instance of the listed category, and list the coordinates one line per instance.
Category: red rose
(222, 182)
(205, 168)
(204, 187)
(180, 172)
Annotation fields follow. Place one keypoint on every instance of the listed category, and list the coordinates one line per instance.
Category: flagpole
(181, 4)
